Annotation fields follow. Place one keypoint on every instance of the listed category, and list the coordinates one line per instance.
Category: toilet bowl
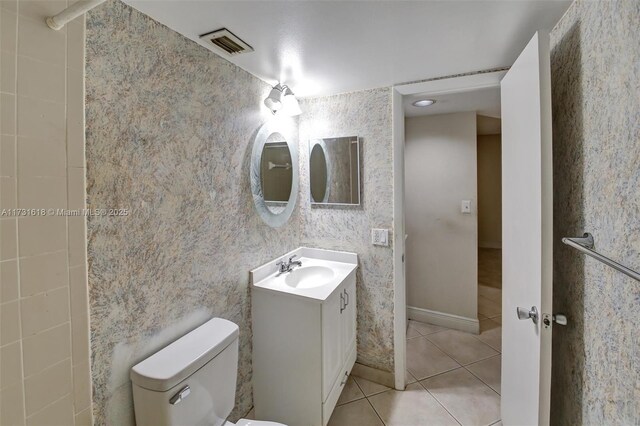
(246, 422)
(192, 381)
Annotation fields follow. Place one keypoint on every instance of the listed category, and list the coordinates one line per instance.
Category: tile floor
(453, 377)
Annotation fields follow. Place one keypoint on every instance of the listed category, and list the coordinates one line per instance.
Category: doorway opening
(489, 184)
(452, 163)
(525, 339)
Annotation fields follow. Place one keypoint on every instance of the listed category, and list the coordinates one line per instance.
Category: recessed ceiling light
(424, 102)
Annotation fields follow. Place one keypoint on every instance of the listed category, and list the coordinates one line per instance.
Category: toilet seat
(247, 422)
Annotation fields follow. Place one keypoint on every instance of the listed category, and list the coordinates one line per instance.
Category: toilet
(192, 381)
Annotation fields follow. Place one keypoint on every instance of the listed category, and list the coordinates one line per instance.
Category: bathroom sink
(321, 273)
(309, 277)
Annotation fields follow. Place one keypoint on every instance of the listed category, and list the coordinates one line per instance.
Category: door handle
(347, 298)
(525, 314)
(342, 304)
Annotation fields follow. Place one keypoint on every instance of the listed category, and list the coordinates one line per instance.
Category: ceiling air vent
(225, 41)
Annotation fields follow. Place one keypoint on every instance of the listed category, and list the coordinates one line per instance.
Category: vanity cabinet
(338, 336)
(303, 352)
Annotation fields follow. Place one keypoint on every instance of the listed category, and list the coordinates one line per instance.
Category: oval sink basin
(309, 277)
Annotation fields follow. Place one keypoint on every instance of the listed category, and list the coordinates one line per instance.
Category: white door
(527, 235)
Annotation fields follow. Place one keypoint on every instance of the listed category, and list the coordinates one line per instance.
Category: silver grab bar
(586, 244)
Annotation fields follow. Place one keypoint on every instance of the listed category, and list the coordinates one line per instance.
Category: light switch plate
(465, 207)
(380, 237)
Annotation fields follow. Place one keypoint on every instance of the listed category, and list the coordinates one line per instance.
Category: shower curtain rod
(58, 21)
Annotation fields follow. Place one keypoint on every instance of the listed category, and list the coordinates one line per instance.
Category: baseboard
(490, 244)
(374, 375)
(456, 322)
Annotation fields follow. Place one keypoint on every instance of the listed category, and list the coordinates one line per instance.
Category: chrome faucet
(288, 266)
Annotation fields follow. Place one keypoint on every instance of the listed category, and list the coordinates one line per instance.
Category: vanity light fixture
(424, 103)
(290, 104)
(274, 100)
(281, 98)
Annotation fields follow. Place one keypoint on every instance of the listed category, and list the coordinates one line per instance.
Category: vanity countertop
(329, 266)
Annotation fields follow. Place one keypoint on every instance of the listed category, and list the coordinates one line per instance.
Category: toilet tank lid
(174, 363)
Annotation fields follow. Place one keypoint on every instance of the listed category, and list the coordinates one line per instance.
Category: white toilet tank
(190, 382)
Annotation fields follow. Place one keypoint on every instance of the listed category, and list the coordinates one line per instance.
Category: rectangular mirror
(334, 171)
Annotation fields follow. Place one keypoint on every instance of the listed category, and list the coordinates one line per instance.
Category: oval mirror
(274, 175)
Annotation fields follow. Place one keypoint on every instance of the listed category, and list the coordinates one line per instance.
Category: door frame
(466, 83)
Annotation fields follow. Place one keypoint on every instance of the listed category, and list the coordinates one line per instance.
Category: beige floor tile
(350, 392)
(412, 332)
(490, 293)
(412, 407)
(497, 319)
(370, 388)
(489, 308)
(357, 413)
(469, 400)
(462, 347)
(424, 359)
(491, 333)
(498, 423)
(410, 378)
(424, 328)
(488, 324)
(488, 371)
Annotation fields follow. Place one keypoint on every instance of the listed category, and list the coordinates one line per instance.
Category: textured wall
(595, 69)
(368, 115)
(44, 333)
(169, 134)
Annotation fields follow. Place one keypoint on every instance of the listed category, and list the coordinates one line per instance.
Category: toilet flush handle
(182, 394)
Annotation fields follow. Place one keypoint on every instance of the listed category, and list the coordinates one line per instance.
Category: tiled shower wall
(44, 353)
(595, 71)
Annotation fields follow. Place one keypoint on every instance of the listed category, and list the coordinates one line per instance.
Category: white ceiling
(328, 47)
(482, 101)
